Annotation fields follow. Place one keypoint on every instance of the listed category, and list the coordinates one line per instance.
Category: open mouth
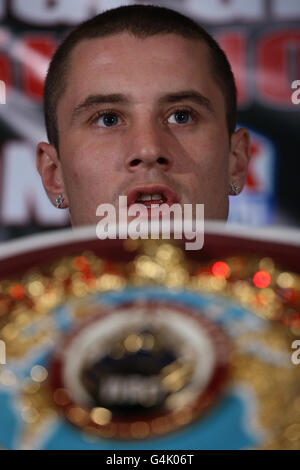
(149, 199)
(151, 195)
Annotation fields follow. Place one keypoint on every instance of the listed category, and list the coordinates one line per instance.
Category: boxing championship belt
(142, 344)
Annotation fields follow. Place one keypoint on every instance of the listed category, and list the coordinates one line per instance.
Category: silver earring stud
(59, 201)
(235, 189)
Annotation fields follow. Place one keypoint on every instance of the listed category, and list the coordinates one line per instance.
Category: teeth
(149, 197)
(144, 197)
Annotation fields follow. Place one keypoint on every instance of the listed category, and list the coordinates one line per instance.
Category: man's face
(142, 117)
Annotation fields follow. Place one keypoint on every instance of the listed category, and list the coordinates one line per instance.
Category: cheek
(211, 158)
(87, 178)
(84, 165)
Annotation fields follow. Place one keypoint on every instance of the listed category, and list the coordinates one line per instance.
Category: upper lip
(169, 195)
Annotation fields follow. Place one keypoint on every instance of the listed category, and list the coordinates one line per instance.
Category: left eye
(180, 117)
(107, 120)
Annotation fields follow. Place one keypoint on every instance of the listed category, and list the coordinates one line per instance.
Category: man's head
(136, 97)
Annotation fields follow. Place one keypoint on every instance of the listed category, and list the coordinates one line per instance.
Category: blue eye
(107, 119)
(180, 117)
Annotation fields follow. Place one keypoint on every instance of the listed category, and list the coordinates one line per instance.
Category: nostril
(162, 161)
(135, 162)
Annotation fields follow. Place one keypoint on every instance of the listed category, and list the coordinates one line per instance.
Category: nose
(148, 148)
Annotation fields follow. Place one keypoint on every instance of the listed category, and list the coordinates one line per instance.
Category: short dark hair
(142, 21)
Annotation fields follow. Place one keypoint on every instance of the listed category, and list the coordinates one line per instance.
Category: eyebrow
(96, 99)
(93, 100)
(190, 95)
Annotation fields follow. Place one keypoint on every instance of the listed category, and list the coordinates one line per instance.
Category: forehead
(142, 67)
(116, 45)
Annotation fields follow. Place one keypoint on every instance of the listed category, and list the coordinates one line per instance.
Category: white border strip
(60, 237)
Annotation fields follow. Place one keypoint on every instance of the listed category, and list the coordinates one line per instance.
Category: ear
(49, 168)
(239, 158)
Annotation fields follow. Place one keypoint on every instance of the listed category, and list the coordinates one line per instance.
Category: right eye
(106, 119)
